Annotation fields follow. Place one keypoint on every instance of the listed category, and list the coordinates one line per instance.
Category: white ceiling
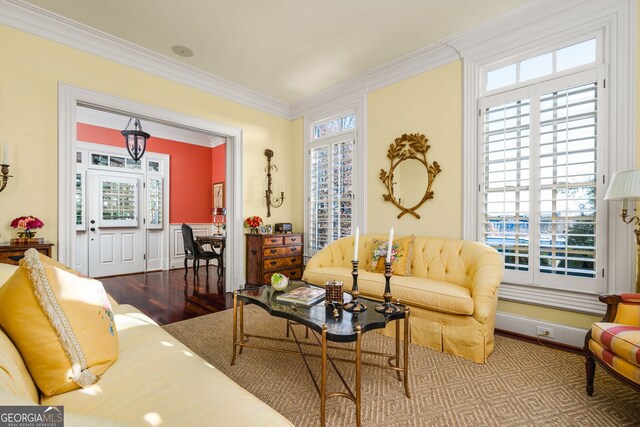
(285, 49)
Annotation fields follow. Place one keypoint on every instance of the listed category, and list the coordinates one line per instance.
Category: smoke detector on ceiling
(183, 51)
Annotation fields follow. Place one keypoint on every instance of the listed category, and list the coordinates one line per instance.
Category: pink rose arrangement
(28, 224)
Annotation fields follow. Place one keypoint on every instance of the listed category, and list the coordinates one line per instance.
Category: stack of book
(303, 296)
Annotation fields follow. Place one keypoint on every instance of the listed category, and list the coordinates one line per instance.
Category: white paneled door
(115, 229)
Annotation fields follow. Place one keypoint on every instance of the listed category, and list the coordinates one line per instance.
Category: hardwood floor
(167, 297)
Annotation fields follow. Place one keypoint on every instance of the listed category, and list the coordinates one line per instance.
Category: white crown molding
(32, 19)
(526, 24)
(530, 18)
(430, 57)
(113, 121)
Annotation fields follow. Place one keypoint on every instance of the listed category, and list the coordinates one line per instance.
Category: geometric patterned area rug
(522, 384)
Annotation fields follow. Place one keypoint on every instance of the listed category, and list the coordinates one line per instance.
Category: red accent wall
(193, 171)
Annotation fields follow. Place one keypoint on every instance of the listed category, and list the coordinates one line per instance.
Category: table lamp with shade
(625, 186)
(218, 218)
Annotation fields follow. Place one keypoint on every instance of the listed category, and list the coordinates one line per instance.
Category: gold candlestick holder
(5, 176)
(387, 307)
(354, 306)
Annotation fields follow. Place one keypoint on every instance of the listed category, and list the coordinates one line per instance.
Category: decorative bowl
(279, 282)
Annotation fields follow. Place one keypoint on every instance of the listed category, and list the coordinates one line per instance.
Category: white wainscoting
(567, 335)
(176, 245)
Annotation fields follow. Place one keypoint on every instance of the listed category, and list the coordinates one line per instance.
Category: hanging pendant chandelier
(135, 140)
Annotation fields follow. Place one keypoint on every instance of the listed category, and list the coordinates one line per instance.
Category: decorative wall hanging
(273, 201)
(409, 147)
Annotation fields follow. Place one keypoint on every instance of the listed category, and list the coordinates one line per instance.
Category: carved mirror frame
(408, 146)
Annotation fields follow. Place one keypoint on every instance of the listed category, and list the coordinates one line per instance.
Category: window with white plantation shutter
(330, 192)
(506, 182)
(541, 197)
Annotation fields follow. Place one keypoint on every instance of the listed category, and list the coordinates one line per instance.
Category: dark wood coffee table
(347, 327)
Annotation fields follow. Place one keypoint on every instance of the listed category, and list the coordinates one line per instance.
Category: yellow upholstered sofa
(452, 289)
(156, 381)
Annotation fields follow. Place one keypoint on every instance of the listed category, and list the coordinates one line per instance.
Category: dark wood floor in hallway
(167, 296)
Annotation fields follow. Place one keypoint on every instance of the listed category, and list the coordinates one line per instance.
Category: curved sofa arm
(485, 284)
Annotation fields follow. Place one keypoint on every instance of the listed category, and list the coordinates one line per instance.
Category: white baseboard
(562, 334)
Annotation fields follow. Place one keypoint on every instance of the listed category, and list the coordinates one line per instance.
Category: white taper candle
(355, 244)
(5, 154)
(390, 245)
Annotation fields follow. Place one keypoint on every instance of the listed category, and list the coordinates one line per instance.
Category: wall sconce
(219, 215)
(4, 167)
(272, 201)
(5, 176)
(135, 140)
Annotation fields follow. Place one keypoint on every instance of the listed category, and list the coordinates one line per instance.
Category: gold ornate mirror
(410, 175)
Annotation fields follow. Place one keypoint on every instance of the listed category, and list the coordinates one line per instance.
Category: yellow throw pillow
(62, 325)
(400, 261)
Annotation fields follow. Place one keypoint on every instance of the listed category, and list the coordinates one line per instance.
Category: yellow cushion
(62, 325)
(401, 261)
(416, 291)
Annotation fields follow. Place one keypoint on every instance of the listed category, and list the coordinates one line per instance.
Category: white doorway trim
(69, 97)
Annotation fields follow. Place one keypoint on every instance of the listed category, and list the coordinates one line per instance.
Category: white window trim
(616, 21)
(360, 154)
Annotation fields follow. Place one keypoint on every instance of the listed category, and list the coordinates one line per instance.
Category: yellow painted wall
(297, 183)
(429, 103)
(30, 69)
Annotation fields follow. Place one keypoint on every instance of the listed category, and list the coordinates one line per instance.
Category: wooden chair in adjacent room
(193, 251)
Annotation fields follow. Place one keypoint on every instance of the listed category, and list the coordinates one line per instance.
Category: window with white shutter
(541, 200)
(331, 174)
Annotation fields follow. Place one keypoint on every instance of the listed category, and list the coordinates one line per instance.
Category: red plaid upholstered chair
(614, 342)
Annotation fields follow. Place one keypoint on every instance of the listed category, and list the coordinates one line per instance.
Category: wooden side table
(12, 253)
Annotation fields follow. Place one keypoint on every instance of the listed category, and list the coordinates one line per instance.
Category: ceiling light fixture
(135, 140)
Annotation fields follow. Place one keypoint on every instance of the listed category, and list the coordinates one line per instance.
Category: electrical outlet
(543, 331)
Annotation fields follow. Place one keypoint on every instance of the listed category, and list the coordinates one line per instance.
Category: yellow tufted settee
(452, 290)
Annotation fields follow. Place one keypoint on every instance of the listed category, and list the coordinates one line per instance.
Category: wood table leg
(323, 377)
(358, 391)
(235, 326)
(406, 352)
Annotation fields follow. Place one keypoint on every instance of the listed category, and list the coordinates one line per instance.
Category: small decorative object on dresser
(273, 253)
(253, 222)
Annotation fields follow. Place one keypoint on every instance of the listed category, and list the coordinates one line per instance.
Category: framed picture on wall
(218, 195)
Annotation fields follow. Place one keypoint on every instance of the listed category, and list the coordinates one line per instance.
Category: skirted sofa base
(452, 292)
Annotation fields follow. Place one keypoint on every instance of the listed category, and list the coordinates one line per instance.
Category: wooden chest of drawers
(273, 253)
(11, 254)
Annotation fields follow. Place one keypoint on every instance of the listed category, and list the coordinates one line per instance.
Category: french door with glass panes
(116, 231)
